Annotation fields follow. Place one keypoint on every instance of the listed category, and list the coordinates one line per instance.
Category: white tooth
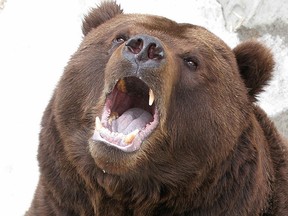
(151, 97)
(131, 136)
(114, 134)
(98, 123)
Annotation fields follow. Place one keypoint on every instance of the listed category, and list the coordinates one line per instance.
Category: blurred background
(37, 39)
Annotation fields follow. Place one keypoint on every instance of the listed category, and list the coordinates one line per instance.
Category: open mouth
(129, 116)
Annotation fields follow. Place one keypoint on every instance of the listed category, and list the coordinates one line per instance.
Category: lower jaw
(113, 161)
(125, 148)
(125, 142)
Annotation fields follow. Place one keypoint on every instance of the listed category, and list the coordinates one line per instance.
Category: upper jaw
(130, 115)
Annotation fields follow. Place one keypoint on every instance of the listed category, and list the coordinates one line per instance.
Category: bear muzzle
(131, 110)
(144, 50)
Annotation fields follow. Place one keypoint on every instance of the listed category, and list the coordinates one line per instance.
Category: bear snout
(144, 50)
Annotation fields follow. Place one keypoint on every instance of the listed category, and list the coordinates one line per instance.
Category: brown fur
(214, 152)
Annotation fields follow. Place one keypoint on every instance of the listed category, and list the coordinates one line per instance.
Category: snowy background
(38, 37)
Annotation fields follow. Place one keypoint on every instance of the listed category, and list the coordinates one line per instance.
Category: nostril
(151, 51)
(155, 52)
(142, 48)
(135, 45)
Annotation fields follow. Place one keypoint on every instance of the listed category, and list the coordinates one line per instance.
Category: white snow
(251, 13)
(36, 41)
(275, 99)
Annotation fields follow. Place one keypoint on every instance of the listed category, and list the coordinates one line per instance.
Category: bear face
(153, 117)
(190, 73)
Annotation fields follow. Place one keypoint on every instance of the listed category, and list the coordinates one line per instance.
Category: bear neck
(230, 179)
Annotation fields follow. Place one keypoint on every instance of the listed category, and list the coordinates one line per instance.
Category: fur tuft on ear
(256, 64)
(105, 11)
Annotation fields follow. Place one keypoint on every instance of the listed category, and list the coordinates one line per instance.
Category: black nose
(143, 48)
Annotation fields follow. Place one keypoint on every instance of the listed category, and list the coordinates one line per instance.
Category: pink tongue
(131, 120)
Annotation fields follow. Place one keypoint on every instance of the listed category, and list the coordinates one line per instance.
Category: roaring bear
(154, 117)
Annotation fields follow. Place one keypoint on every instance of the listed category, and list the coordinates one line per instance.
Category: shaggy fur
(213, 151)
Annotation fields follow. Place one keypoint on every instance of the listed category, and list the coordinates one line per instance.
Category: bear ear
(256, 65)
(105, 11)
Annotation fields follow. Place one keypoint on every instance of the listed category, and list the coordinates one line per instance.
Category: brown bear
(154, 117)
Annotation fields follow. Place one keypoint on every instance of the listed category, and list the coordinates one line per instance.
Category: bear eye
(120, 39)
(191, 63)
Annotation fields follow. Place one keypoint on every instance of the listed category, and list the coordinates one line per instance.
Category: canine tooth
(131, 136)
(121, 85)
(99, 125)
(151, 97)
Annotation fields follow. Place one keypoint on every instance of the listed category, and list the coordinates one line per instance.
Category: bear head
(143, 92)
